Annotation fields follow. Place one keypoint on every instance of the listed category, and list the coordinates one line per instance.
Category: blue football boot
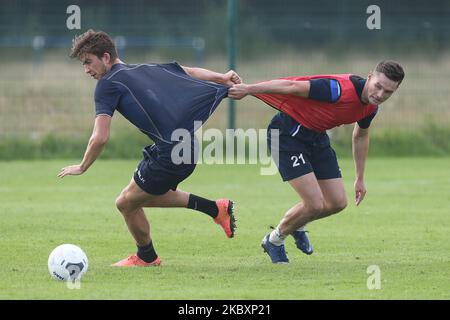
(276, 253)
(302, 242)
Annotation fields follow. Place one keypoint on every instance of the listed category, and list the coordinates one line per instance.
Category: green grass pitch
(402, 226)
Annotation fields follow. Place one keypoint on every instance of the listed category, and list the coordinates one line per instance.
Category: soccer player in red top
(309, 106)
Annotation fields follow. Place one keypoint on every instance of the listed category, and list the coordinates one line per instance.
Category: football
(67, 262)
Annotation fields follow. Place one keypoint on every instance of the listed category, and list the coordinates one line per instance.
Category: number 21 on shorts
(295, 160)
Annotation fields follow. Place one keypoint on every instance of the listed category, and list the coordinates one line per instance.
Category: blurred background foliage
(46, 101)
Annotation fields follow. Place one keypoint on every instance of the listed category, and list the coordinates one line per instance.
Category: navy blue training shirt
(328, 90)
(157, 98)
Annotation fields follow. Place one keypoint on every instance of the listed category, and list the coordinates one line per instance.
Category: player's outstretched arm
(230, 78)
(299, 88)
(360, 148)
(99, 138)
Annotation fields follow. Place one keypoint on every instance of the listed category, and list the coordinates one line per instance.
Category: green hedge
(122, 147)
(430, 140)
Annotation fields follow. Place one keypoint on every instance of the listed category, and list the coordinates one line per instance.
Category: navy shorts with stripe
(302, 150)
(156, 174)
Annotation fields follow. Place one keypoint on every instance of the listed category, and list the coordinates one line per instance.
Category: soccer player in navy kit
(309, 106)
(158, 99)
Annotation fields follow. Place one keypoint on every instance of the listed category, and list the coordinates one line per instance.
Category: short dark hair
(94, 42)
(391, 69)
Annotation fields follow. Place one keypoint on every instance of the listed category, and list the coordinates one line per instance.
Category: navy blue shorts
(156, 173)
(302, 150)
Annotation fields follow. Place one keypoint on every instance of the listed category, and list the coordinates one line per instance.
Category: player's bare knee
(336, 206)
(122, 203)
(315, 207)
(339, 205)
(119, 203)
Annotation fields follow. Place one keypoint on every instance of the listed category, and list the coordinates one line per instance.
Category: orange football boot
(135, 261)
(225, 216)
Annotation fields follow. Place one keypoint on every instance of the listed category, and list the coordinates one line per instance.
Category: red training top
(317, 115)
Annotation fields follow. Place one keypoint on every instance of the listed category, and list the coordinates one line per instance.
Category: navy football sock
(204, 205)
(147, 253)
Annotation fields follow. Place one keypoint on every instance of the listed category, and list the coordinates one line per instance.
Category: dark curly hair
(94, 42)
(391, 69)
